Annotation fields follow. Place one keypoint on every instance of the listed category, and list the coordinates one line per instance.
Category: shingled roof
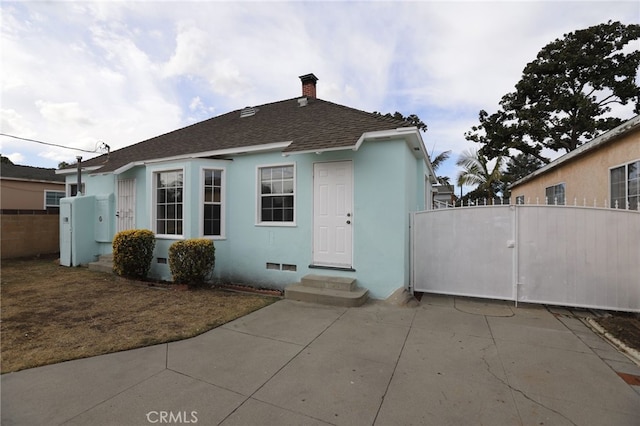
(13, 171)
(309, 125)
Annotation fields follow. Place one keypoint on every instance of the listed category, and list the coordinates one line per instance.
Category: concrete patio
(449, 361)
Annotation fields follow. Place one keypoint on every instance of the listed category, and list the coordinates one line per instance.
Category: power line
(47, 143)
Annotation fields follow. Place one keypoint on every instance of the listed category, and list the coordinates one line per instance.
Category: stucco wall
(25, 195)
(587, 176)
(29, 234)
(388, 183)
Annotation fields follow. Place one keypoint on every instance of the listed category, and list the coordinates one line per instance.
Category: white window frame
(520, 199)
(154, 202)
(223, 201)
(70, 185)
(552, 202)
(626, 184)
(259, 195)
(46, 206)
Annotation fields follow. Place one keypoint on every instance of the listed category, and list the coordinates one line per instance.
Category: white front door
(125, 211)
(333, 214)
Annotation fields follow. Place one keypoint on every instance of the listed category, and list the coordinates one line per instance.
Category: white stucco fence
(559, 255)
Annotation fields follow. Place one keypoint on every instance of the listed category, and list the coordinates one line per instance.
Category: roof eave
(319, 150)
(274, 146)
(75, 170)
(59, 182)
(411, 136)
(605, 138)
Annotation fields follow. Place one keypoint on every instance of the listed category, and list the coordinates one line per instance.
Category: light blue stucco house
(286, 189)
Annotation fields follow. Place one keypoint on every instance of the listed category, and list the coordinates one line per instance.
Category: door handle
(348, 222)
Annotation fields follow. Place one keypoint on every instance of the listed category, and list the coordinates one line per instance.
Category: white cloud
(195, 104)
(226, 79)
(192, 48)
(124, 72)
(64, 113)
(12, 122)
(16, 157)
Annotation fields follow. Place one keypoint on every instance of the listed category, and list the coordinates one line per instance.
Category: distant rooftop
(14, 171)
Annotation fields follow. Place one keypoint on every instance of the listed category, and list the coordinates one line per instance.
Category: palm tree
(475, 171)
(437, 162)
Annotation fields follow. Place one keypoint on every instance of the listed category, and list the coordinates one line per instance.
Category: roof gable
(306, 126)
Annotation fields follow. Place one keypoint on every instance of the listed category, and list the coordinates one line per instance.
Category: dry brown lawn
(624, 326)
(52, 313)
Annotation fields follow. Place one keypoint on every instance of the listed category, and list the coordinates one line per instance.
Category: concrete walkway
(450, 361)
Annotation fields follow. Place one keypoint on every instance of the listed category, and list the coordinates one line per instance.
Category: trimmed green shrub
(133, 252)
(191, 261)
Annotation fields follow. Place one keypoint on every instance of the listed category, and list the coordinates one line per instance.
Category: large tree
(411, 119)
(518, 166)
(565, 94)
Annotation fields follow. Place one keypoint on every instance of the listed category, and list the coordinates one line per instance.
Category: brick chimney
(309, 85)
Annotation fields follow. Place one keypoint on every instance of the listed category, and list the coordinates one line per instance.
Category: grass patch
(52, 313)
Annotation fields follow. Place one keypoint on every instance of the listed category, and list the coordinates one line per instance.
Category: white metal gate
(126, 204)
(562, 255)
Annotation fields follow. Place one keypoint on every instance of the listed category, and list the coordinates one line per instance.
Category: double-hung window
(555, 194)
(276, 200)
(213, 212)
(625, 186)
(168, 199)
(52, 198)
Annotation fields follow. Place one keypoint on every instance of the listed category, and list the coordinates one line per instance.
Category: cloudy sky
(79, 74)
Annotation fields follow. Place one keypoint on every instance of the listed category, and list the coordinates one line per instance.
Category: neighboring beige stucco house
(29, 206)
(604, 171)
(30, 188)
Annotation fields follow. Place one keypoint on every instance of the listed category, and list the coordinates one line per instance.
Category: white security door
(333, 214)
(125, 211)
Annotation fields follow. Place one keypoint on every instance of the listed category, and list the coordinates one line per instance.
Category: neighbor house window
(213, 203)
(625, 186)
(277, 194)
(169, 199)
(555, 194)
(52, 198)
(520, 199)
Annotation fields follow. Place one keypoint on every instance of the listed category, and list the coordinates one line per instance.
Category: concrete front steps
(326, 290)
(103, 264)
